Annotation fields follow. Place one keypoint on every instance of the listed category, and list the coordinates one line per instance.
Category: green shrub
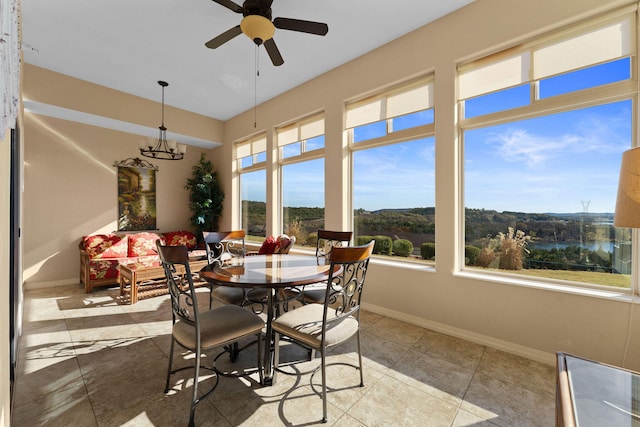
(363, 240)
(402, 247)
(383, 245)
(471, 253)
(428, 250)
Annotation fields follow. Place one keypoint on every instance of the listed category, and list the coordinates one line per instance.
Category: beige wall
(69, 177)
(60, 90)
(527, 320)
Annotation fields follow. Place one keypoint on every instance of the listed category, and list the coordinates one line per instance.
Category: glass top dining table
(270, 272)
(267, 271)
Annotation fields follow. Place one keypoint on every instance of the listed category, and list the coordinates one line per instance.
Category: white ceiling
(129, 45)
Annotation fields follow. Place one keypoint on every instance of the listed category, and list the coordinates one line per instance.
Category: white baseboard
(506, 346)
(50, 284)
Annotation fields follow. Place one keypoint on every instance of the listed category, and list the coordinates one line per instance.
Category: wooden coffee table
(145, 280)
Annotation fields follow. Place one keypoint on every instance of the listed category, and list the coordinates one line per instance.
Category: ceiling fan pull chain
(255, 85)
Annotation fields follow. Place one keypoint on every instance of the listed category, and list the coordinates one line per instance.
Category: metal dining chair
(198, 331)
(327, 240)
(222, 246)
(321, 326)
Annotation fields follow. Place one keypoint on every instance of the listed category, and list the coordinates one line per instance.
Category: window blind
(300, 131)
(407, 99)
(251, 146)
(585, 45)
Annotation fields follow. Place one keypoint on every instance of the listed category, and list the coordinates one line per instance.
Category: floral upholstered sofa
(101, 255)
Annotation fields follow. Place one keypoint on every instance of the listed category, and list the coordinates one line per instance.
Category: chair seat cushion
(229, 295)
(218, 327)
(258, 295)
(237, 296)
(304, 324)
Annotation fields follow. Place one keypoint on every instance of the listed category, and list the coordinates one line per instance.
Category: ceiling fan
(258, 26)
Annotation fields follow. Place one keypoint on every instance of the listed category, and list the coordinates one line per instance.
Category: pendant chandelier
(163, 149)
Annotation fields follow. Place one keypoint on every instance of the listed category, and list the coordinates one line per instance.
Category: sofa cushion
(104, 268)
(101, 246)
(176, 238)
(141, 244)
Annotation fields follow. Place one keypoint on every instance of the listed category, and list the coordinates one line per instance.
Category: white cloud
(518, 145)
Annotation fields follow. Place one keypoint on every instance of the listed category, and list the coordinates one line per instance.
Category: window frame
(391, 138)
(252, 143)
(539, 107)
(302, 135)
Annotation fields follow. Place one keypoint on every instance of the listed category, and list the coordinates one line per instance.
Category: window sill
(378, 260)
(407, 265)
(577, 289)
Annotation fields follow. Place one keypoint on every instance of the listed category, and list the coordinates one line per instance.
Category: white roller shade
(589, 44)
(251, 147)
(365, 113)
(413, 97)
(312, 128)
(502, 73)
(409, 101)
(287, 135)
(305, 129)
(600, 44)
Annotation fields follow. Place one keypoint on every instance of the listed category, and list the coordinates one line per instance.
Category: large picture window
(544, 127)
(393, 191)
(303, 200)
(251, 156)
(301, 151)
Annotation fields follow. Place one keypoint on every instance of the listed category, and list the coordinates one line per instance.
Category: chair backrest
(327, 240)
(184, 303)
(224, 245)
(344, 288)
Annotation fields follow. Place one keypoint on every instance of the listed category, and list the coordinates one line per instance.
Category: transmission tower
(585, 211)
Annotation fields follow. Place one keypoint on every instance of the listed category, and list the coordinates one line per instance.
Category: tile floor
(91, 360)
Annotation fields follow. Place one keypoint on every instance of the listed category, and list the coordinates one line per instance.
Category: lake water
(607, 246)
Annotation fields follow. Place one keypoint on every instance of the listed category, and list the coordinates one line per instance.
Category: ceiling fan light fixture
(257, 28)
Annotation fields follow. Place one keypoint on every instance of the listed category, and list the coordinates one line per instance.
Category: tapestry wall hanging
(136, 195)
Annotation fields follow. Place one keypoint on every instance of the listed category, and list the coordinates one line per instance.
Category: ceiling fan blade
(273, 52)
(302, 26)
(230, 5)
(224, 37)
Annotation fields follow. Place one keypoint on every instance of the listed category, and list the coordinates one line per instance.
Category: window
(393, 153)
(253, 194)
(303, 200)
(251, 157)
(544, 126)
(301, 149)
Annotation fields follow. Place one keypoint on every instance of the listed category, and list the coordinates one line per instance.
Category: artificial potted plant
(205, 197)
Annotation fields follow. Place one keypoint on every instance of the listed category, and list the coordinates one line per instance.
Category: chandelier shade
(162, 148)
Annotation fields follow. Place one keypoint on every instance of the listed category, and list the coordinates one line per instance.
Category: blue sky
(549, 164)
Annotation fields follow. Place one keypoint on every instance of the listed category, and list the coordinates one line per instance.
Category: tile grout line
(464, 395)
(75, 357)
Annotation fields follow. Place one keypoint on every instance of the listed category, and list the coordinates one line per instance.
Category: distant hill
(418, 224)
